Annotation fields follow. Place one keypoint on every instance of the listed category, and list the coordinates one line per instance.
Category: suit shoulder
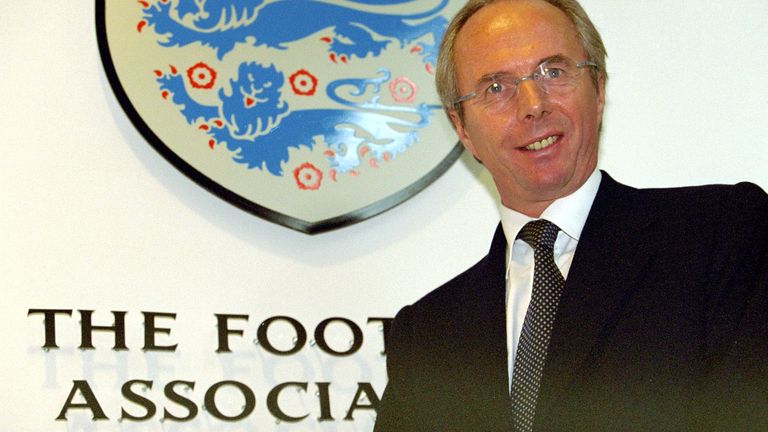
(475, 281)
(452, 293)
(730, 219)
(707, 199)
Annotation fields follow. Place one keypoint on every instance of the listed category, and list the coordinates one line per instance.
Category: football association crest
(310, 113)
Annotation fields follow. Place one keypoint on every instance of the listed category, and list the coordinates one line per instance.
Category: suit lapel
(482, 333)
(610, 256)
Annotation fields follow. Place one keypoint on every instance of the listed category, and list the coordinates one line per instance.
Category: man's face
(512, 37)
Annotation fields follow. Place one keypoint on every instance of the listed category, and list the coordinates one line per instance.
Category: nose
(532, 102)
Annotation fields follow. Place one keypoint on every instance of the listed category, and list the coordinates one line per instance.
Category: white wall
(93, 218)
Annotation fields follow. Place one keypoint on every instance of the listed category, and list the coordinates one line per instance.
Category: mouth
(542, 144)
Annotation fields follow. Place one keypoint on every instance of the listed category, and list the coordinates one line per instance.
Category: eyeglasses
(557, 75)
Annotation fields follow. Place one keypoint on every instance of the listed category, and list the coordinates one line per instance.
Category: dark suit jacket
(662, 325)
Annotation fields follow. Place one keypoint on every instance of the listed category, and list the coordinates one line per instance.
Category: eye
(495, 88)
(553, 73)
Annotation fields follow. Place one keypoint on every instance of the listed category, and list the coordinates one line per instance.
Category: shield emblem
(312, 114)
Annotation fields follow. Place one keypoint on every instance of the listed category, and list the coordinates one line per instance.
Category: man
(654, 313)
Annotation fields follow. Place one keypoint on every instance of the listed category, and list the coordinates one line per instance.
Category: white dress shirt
(569, 214)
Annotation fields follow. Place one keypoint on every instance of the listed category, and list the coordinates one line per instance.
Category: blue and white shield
(312, 114)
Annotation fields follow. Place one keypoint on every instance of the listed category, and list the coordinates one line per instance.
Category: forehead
(509, 34)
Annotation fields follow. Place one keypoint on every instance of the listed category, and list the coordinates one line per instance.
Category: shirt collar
(569, 213)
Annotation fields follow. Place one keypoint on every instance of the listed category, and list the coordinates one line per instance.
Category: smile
(539, 145)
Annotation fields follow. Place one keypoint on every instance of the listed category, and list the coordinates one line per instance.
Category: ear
(600, 97)
(461, 131)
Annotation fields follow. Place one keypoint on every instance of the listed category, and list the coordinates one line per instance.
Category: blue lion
(221, 24)
(255, 123)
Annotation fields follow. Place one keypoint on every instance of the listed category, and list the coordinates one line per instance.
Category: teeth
(538, 145)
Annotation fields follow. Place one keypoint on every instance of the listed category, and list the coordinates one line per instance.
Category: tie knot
(540, 234)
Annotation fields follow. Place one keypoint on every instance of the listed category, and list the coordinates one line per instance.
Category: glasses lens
(496, 93)
(558, 72)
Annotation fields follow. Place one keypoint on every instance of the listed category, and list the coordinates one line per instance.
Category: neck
(532, 209)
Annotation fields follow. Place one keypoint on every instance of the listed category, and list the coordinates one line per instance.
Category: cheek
(495, 145)
(484, 133)
(584, 114)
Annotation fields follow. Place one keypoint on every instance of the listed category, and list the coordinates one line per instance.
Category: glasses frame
(468, 96)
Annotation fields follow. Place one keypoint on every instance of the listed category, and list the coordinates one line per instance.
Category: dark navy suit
(663, 325)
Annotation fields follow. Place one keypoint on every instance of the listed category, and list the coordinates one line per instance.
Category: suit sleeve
(738, 399)
(394, 413)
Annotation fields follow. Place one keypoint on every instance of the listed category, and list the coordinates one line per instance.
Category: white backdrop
(93, 219)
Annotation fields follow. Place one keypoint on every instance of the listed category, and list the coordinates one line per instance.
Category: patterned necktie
(548, 284)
